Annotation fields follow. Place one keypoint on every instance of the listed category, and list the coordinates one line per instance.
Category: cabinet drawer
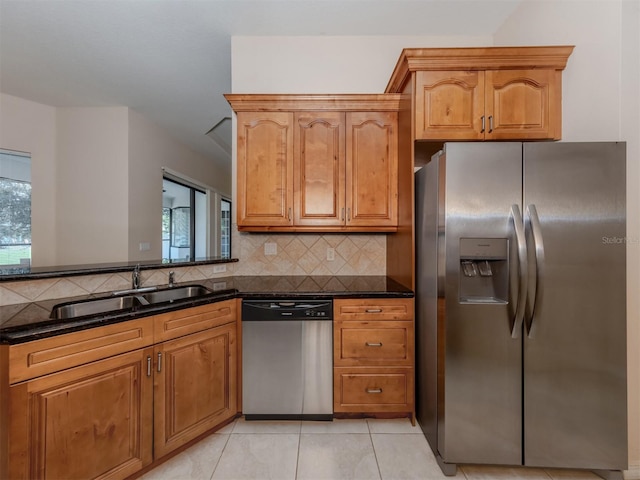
(373, 309)
(41, 357)
(183, 322)
(369, 343)
(373, 390)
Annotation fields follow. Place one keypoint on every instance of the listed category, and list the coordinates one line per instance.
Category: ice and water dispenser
(484, 270)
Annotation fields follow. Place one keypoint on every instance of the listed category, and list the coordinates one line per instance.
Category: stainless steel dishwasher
(287, 359)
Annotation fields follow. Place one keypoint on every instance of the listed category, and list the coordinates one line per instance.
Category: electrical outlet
(270, 248)
(331, 254)
(217, 286)
(219, 268)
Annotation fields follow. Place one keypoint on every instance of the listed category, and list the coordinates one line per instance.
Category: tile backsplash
(12, 293)
(309, 254)
(258, 254)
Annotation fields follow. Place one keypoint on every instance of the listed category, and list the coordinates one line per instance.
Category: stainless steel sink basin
(125, 302)
(93, 307)
(176, 293)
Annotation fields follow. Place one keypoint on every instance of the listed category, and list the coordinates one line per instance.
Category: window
(15, 208)
(225, 228)
(184, 221)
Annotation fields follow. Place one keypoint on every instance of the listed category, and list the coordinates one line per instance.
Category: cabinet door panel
(449, 105)
(195, 386)
(319, 168)
(372, 169)
(265, 168)
(86, 422)
(522, 104)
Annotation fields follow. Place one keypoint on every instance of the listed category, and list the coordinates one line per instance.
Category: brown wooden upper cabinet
(322, 163)
(491, 93)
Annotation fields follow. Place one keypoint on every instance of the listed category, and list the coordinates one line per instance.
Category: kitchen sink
(93, 307)
(125, 302)
(176, 293)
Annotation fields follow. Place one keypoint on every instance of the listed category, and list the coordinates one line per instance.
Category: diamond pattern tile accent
(306, 254)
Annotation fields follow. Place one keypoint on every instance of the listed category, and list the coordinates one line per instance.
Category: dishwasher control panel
(286, 309)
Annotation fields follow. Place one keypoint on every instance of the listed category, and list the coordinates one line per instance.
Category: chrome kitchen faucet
(135, 277)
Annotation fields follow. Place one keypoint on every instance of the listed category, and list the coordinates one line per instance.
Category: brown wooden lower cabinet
(111, 417)
(195, 388)
(373, 356)
(93, 421)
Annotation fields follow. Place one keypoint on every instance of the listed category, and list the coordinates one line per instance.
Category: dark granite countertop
(30, 321)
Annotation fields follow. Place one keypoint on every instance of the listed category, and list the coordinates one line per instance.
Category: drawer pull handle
(369, 344)
(148, 365)
(373, 310)
(159, 361)
(373, 390)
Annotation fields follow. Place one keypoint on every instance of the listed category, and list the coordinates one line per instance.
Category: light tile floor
(343, 449)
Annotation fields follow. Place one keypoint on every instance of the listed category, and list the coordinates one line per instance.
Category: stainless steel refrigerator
(521, 305)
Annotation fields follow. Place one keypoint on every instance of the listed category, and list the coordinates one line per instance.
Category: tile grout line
(221, 453)
(235, 422)
(375, 455)
(298, 453)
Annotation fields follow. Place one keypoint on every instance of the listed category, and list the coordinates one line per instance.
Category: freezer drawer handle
(373, 390)
(522, 271)
(369, 344)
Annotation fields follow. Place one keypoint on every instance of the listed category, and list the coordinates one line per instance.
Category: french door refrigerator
(521, 305)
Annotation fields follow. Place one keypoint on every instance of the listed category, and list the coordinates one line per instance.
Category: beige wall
(31, 127)
(601, 101)
(92, 219)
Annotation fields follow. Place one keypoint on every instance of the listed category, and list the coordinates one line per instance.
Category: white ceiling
(171, 59)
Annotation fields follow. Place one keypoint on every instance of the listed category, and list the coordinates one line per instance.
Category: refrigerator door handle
(535, 290)
(521, 242)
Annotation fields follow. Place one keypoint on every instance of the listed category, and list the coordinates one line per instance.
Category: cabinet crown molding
(378, 102)
(476, 58)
